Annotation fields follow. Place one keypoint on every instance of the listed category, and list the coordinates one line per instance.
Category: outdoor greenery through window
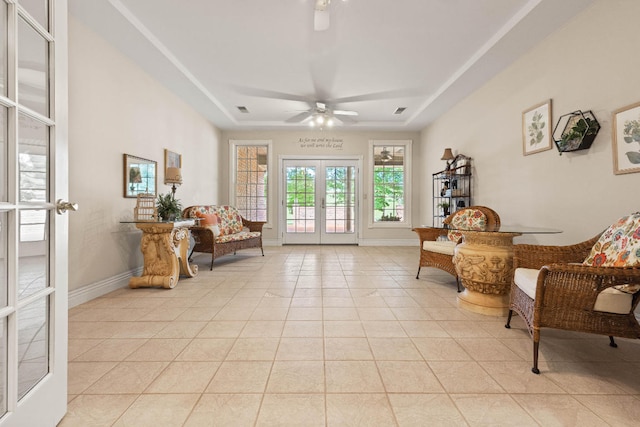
(251, 188)
(389, 186)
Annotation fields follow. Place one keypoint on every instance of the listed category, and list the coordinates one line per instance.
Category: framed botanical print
(536, 128)
(626, 139)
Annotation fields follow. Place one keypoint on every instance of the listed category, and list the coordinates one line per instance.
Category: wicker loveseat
(222, 230)
(592, 286)
(437, 245)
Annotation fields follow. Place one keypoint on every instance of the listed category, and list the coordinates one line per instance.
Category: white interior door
(320, 201)
(33, 238)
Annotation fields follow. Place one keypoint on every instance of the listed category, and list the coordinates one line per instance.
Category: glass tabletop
(508, 228)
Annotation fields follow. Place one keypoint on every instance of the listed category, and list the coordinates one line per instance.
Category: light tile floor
(331, 336)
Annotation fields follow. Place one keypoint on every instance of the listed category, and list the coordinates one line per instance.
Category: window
(249, 175)
(391, 190)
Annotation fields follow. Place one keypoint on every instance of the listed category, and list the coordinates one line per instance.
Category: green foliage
(632, 134)
(579, 130)
(168, 207)
(388, 190)
(389, 217)
(535, 129)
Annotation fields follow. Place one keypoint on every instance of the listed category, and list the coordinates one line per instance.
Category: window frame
(233, 150)
(406, 220)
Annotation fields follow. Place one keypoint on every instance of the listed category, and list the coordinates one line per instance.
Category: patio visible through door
(320, 201)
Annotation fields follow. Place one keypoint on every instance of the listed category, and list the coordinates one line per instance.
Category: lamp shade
(173, 175)
(448, 155)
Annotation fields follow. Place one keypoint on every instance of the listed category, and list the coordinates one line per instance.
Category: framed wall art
(172, 167)
(626, 139)
(140, 176)
(536, 128)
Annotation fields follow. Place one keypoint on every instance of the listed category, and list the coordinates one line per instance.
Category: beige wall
(330, 144)
(116, 108)
(590, 64)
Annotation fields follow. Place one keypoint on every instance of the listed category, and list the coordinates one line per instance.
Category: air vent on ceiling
(243, 109)
(399, 110)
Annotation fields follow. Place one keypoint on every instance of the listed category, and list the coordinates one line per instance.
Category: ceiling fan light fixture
(330, 122)
(385, 155)
(320, 119)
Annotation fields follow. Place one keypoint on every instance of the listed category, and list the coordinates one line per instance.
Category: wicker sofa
(222, 230)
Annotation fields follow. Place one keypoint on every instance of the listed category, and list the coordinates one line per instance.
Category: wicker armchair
(438, 253)
(568, 295)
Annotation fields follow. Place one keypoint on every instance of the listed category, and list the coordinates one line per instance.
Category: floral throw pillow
(466, 219)
(619, 245)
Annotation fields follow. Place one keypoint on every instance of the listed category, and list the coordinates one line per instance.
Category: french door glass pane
(33, 261)
(33, 346)
(301, 193)
(3, 260)
(38, 9)
(3, 366)
(3, 155)
(3, 49)
(33, 69)
(340, 199)
(33, 159)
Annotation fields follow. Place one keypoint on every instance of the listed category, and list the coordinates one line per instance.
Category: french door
(33, 237)
(320, 201)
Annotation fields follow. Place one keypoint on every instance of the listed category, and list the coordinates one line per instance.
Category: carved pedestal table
(484, 263)
(164, 246)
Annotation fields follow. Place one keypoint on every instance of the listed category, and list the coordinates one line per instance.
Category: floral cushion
(618, 246)
(229, 219)
(466, 219)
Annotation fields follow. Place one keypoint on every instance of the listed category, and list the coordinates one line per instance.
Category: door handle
(322, 203)
(62, 206)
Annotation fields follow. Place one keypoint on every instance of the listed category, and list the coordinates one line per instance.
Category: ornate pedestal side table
(164, 246)
(484, 264)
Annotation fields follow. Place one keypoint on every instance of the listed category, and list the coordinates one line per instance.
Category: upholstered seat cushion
(444, 247)
(235, 237)
(610, 300)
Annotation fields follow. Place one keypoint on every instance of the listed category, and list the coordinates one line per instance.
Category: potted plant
(169, 208)
(579, 131)
(389, 217)
(445, 208)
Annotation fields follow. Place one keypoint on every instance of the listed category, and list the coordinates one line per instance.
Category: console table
(484, 264)
(164, 246)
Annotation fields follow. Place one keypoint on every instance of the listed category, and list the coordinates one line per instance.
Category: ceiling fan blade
(347, 120)
(272, 94)
(345, 113)
(299, 117)
(374, 96)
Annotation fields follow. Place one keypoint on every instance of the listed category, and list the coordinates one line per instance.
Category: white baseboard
(388, 242)
(103, 287)
(361, 242)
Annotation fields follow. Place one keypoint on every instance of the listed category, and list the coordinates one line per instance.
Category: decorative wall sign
(536, 128)
(626, 139)
(321, 143)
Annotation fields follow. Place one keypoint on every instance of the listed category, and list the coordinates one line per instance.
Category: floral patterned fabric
(229, 220)
(619, 245)
(466, 219)
(244, 235)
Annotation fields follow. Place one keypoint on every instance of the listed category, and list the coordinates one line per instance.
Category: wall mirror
(140, 176)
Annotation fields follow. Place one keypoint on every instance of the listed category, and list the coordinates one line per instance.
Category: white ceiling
(376, 56)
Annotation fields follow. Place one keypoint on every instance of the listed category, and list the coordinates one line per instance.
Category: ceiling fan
(321, 115)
